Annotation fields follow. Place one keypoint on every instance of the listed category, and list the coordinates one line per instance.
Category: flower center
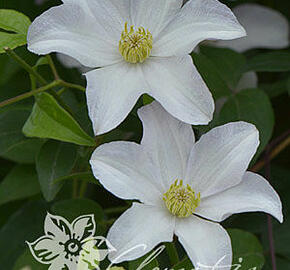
(181, 200)
(135, 46)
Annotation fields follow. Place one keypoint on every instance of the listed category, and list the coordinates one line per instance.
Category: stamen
(181, 200)
(135, 46)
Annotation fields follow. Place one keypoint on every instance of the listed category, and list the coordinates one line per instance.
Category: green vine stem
(39, 90)
(27, 67)
(275, 152)
(52, 67)
(29, 94)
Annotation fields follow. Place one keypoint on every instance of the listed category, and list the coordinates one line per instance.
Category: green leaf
(8, 209)
(211, 76)
(13, 144)
(14, 26)
(42, 61)
(82, 176)
(49, 120)
(73, 208)
(27, 261)
(276, 89)
(54, 160)
(247, 250)
(148, 262)
(24, 225)
(147, 99)
(270, 62)
(20, 176)
(7, 68)
(229, 64)
(25, 152)
(253, 106)
(184, 264)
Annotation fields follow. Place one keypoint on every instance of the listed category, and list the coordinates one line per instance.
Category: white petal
(220, 158)
(253, 194)
(125, 170)
(111, 12)
(84, 227)
(198, 20)
(266, 28)
(177, 85)
(207, 244)
(248, 80)
(70, 62)
(71, 30)
(139, 230)
(154, 15)
(112, 93)
(168, 142)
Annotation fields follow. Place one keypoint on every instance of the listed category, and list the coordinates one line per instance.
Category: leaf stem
(75, 189)
(52, 67)
(33, 82)
(72, 85)
(83, 189)
(29, 94)
(41, 89)
(172, 253)
(27, 67)
(275, 152)
(61, 91)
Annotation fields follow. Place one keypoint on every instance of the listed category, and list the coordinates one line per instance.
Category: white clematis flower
(141, 47)
(184, 187)
(266, 28)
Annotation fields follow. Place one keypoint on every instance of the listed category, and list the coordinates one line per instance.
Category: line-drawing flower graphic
(70, 246)
(185, 188)
(136, 47)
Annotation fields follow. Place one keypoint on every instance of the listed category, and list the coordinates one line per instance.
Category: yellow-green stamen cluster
(181, 200)
(135, 46)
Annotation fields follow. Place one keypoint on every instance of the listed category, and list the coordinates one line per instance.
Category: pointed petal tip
(281, 218)
(243, 32)
(103, 127)
(279, 215)
(250, 126)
